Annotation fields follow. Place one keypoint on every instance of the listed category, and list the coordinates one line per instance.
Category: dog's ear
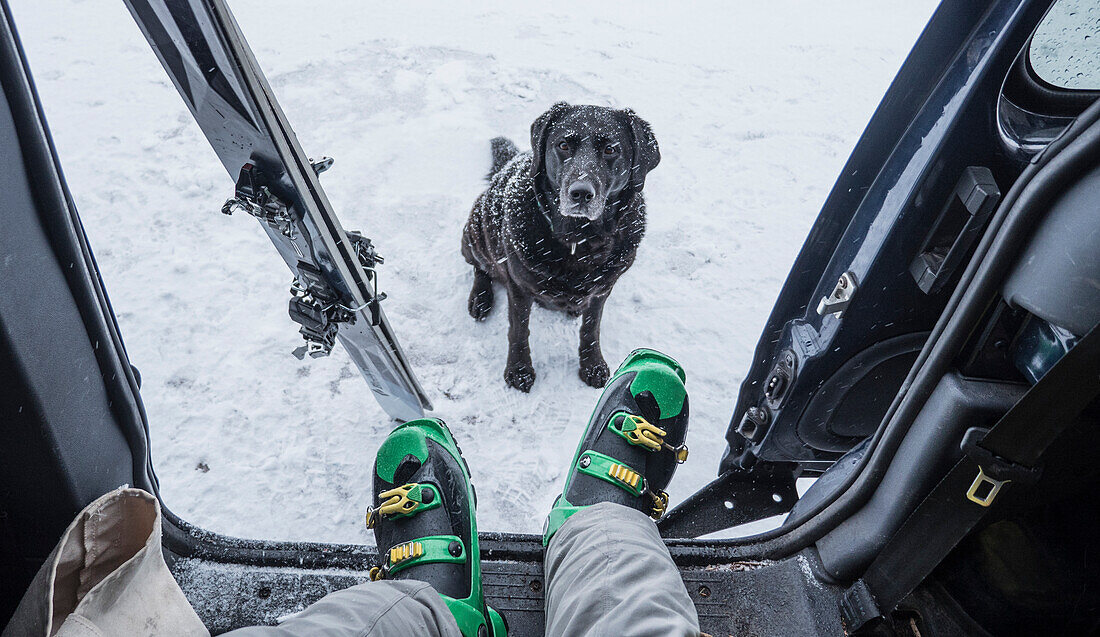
(538, 134)
(646, 152)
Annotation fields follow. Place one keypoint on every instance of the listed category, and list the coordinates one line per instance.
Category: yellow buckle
(625, 475)
(660, 504)
(394, 501)
(986, 498)
(397, 500)
(645, 433)
(652, 437)
(406, 551)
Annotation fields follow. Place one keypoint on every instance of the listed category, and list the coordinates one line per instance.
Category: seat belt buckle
(993, 470)
(984, 489)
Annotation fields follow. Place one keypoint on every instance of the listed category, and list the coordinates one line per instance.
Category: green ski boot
(633, 442)
(424, 525)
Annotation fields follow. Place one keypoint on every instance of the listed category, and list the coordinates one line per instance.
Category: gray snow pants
(607, 573)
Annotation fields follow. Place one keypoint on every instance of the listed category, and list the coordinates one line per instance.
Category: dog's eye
(564, 145)
(610, 150)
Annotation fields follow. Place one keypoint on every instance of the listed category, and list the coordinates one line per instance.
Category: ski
(334, 295)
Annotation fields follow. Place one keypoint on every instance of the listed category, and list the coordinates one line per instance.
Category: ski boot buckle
(610, 470)
(434, 549)
(660, 503)
(640, 432)
(403, 501)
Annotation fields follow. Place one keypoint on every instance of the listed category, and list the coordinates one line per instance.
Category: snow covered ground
(755, 105)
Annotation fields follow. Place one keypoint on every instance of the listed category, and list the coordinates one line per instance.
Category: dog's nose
(581, 192)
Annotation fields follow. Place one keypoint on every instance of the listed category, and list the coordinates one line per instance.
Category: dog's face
(586, 158)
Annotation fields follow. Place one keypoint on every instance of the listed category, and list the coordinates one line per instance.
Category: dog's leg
(519, 373)
(594, 369)
(481, 296)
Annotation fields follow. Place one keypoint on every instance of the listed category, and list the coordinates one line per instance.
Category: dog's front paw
(480, 302)
(521, 376)
(595, 373)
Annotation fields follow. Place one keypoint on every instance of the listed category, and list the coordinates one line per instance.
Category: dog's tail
(503, 151)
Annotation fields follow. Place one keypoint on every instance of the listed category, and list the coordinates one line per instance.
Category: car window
(1065, 50)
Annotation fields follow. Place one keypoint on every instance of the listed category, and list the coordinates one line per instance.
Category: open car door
(939, 322)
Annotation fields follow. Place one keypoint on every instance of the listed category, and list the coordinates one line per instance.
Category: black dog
(560, 225)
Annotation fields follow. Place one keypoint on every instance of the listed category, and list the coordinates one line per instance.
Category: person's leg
(607, 570)
(609, 573)
(374, 609)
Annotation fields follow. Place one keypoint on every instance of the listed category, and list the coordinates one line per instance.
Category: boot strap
(608, 469)
(434, 549)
